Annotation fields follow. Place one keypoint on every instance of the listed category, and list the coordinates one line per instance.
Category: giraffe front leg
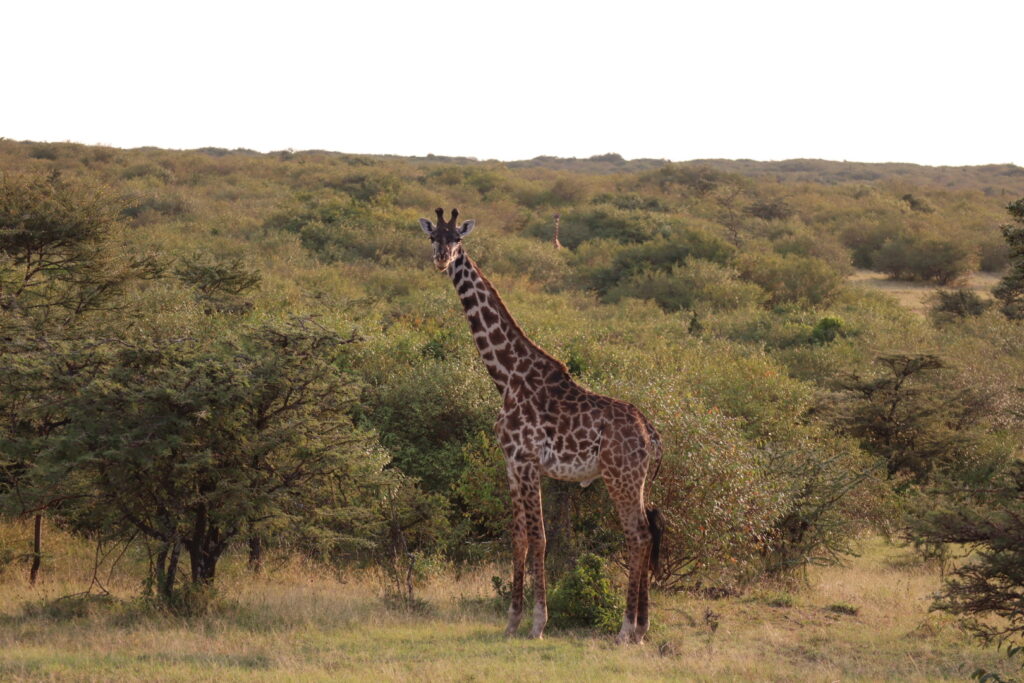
(525, 480)
(520, 545)
(527, 520)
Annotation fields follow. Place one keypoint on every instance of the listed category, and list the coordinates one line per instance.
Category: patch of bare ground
(917, 296)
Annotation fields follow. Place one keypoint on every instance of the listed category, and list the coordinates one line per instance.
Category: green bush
(827, 329)
(713, 491)
(689, 179)
(151, 206)
(584, 598)
(993, 254)
(984, 510)
(959, 303)
(789, 278)
(826, 247)
(866, 235)
(1010, 290)
(596, 222)
(695, 285)
(660, 254)
(915, 258)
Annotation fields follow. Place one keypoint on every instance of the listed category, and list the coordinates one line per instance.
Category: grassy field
(866, 621)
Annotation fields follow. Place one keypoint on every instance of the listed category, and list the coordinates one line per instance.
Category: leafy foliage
(984, 512)
(912, 258)
(584, 598)
(1010, 290)
(960, 303)
(191, 445)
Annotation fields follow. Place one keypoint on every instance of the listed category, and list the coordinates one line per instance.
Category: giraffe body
(551, 426)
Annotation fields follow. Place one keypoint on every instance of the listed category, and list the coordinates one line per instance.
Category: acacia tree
(1010, 290)
(59, 272)
(897, 416)
(985, 512)
(193, 444)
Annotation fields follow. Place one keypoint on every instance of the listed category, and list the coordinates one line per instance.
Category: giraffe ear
(466, 228)
(427, 226)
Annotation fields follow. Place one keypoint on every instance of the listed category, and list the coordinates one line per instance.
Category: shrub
(170, 205)
(660, 254)
(789, 278)
(917, 204)
(827, 329)
(150, 170)
(913, 258)
(584, 598)
(44, 151)
(690, 179)
(428, 410)
(370, 186)
(1010, 290)
(828, 248)
(993, 254)
(697, 284)
(960, 303)
(893, 416)
(713, 492)
(984, 512)
(594, 222)
(830, 494)
(769, 210)
(866, 236)
(630, 202)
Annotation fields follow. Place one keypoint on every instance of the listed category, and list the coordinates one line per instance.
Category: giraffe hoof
(537, 635)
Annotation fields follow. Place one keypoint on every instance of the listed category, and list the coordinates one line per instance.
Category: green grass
(298, 623)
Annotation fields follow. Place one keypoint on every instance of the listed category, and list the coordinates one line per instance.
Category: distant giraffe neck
(504, 347)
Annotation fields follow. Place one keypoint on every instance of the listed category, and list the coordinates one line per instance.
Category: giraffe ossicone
(551, 426)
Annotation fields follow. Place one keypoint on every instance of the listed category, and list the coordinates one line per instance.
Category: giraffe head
(446, 237)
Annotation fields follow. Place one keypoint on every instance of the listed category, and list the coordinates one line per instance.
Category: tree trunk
(255, 553)
(204, 549)
(37, 550)
(167, 589)
(558, 527)
(160, 570)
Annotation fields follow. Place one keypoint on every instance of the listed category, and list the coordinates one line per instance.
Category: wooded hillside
(212, 350)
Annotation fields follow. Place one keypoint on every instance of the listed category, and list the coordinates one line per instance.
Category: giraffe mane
(511, 320)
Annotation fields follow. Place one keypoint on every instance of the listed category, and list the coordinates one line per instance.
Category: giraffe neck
(505, 349)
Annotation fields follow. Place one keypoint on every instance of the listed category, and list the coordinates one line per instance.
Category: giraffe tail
(656, 523)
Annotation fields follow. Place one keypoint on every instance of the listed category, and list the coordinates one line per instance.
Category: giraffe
(549, 425)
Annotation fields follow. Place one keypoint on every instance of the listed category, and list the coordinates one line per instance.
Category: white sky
(927, 82)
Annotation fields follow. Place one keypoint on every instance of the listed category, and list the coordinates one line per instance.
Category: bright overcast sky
(927, 82)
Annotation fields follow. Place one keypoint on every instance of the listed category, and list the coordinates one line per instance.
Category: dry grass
(867, 621)
(917, 296)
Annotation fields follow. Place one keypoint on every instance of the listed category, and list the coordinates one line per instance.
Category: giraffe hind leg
(627, 494)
